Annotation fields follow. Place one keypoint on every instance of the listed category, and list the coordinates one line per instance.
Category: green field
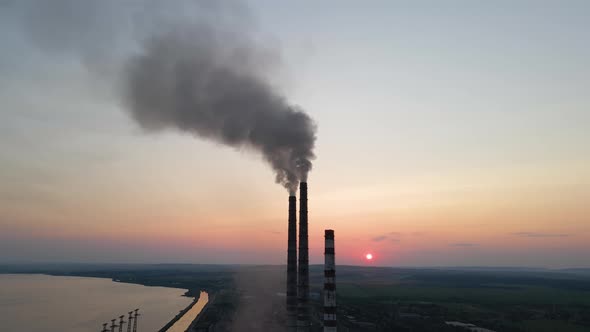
(545, 325)
(523, 295)
(422, 300)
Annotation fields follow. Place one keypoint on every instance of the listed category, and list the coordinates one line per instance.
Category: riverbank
(179, 315)
(191, 277)
(81, 304)
(186, 318)
(214, 279)
(196, 321)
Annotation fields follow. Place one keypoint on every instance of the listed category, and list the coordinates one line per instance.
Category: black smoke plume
(195, 66)
(211, 83)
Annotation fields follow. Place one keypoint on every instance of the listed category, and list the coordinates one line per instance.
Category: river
(35, 303)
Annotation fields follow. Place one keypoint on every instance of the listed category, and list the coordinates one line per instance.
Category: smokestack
(329, 283)
(292, 266)
(303, 319)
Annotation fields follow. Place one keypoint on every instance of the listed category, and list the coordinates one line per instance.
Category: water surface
(35, 303)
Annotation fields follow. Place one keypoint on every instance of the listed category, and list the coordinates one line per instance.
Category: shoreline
(91, 301)
(191, 321)
(182, 313)
(167, 326)
(187, 293)
(200, 314)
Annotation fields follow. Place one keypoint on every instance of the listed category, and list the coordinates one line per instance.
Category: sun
(369, 257)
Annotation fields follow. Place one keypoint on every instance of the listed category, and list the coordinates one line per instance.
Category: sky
(448, 134)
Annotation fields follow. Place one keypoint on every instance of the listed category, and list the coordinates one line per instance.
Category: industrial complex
(298, 308)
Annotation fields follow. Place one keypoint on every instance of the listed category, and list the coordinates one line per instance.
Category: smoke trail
(192, 66)
(210, 82)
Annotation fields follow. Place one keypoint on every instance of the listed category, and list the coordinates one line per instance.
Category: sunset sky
(448, 134)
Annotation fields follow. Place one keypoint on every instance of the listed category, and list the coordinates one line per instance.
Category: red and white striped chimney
(329, 282)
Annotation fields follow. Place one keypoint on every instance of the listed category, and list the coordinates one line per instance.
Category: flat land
(502, 300)
(371, 298)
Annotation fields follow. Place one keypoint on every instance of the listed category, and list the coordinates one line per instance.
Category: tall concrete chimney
(303, 318)
(292, 266)
(329, 282)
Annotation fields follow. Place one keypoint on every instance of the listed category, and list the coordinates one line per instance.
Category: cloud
(463, 244)
(396, 237)
(540, 234)
(379, 238)
(391, 237)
